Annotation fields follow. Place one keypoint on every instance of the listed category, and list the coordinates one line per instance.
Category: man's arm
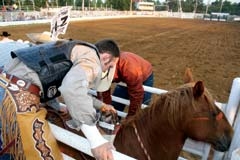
(100, 147)
(74, 89)
(103, 107)
(105, 96)
(136, 93)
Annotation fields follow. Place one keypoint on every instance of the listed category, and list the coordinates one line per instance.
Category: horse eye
(214, 114)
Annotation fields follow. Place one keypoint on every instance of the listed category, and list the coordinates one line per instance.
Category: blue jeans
(5, 156)
(2, 92)
(122, 92)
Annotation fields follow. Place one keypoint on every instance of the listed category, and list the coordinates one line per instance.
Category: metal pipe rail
(200, 148)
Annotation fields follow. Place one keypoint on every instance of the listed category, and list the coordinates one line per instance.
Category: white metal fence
(44, 14)
(231, 109)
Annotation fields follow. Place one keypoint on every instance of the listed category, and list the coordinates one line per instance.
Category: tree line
(196, 6)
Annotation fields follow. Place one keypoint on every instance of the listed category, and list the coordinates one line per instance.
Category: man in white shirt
(67, 67)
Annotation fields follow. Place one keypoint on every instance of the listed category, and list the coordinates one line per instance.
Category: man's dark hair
(109, 46)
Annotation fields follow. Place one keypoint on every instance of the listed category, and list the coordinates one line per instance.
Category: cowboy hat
(106, 80)
(40, 37)
(5, 34)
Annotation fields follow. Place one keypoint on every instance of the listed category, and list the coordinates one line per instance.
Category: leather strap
(25, 85)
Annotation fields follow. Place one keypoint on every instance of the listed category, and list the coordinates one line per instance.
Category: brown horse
(160, 130)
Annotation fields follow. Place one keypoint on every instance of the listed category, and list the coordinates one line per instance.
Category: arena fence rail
(231, 109)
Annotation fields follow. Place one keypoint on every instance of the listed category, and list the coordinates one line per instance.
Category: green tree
(215, 6)
(188, 5)
(235, 9)
(99, 3)
(121, 5)
(173, 5)
(226, 7)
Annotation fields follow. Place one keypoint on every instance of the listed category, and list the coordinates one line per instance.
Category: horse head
(160, 130)
(205, 121)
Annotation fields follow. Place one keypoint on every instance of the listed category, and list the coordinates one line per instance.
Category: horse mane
(172, 105)
(169, 105)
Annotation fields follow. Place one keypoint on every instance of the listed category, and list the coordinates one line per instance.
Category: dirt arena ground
(211, 49)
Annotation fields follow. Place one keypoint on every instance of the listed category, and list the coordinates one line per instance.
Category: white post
(236, 154)
(233, 101)
(230, 112)
(236, 139)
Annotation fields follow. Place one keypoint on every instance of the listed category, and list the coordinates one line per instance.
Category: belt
(25, 85)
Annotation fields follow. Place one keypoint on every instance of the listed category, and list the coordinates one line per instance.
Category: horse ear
(188, 77)
(198, 89)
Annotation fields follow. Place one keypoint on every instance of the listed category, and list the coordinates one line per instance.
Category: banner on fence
(59, 22)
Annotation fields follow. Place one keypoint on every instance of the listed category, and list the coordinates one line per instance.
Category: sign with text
(59, 22)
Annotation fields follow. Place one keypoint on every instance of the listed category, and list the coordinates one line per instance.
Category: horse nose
(223, 143)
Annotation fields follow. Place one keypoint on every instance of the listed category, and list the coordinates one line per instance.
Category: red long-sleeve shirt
(132, 70)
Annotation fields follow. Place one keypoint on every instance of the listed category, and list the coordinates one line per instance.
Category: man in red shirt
(135, 72)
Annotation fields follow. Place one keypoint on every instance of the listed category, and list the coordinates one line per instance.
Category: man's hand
(103, 152)
(108, 108)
